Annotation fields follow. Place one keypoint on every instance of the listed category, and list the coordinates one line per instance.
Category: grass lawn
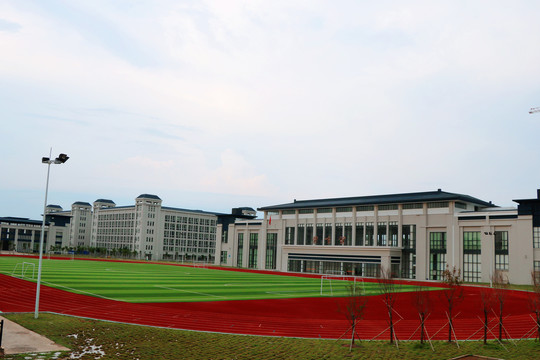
(120, 341)
(143, 283)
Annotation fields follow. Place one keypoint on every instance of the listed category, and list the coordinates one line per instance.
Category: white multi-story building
(146, 230)
(416, 235)
(154, 231)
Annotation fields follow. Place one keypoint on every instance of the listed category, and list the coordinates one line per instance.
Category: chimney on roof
(439, 190)
(538, 193)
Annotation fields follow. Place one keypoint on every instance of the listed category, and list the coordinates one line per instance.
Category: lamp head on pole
(62, 158)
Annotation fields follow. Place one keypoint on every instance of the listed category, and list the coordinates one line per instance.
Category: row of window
(347, 234)
(116, 216)
(190, 250)
(472, 254)
(195, 243)
(189, 220)
(185, 227)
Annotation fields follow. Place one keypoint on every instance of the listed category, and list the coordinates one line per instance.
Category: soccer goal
(23, 270)
(202, 265)
(329, 281)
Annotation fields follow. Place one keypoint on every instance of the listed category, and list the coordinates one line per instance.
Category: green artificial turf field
(145, 282)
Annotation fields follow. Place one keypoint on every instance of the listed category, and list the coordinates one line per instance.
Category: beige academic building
(416, 235)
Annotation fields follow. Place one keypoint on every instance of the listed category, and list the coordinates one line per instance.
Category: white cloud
(277, 99)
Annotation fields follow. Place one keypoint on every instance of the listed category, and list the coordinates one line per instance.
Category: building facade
(416, 235)
(153, 231)
(23, 235)
(146, 230)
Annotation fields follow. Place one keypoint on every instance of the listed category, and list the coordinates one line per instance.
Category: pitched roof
(107, 201)
(149, 196)
(82, 203)
(438, 195)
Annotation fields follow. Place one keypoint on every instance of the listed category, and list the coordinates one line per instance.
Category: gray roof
(149, 196)
(105, 201)
(82, 203)
(193, 211)
(54, 206)
(19, 220)
(438, 195)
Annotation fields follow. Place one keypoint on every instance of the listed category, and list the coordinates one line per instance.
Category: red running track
(304, 317)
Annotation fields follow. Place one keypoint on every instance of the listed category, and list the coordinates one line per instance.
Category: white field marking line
(194, 292)
(290, 292)
(78, 291)
(140, 272)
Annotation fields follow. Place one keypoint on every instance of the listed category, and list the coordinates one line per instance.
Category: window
(339, 239)
(300, 235)
(359, 239)
(537, 271)
(348, 234)
(365, 208)
(224, 257)
(460, 205)
(327, 234)
(437, 204)
(393, 233)
(408, 259)
(240, 252)
(288, 212)
(472, 256)
(413, 206)
(253, 247)
(387, 207)
(305, 211)
(224, 238)
(324, 210)
(343, 209)
(437, 261)
(536, 237)
(319, 235)
(381, 234)
(289, 236)
(370, 233)
(309, 234)
(501, 250)
(271, 247)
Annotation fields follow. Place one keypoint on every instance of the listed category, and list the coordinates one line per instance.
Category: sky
(218, 104)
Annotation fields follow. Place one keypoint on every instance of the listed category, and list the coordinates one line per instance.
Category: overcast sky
(218, 104)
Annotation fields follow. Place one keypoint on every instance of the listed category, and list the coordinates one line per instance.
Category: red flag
(270, 221)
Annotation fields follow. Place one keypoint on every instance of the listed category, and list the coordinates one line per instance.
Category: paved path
(17, 339)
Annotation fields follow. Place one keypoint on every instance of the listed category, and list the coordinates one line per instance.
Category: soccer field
(145, 282)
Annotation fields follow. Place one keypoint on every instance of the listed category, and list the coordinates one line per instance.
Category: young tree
(486, 296)
(453, 293)
(534, 300)
(354, 308)
(387, 288)
(422, 304)
(500, 283)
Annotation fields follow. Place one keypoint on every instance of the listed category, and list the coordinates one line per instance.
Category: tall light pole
(62, 158)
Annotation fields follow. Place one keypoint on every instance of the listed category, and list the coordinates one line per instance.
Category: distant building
(146, 229)
(416, 235)
(23, 235)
